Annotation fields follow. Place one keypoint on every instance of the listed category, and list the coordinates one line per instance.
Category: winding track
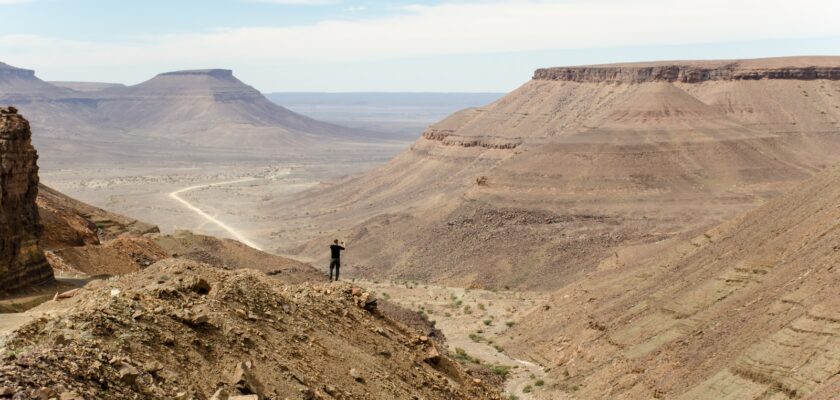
(236, 234)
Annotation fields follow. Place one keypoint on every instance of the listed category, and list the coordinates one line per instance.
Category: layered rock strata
(682, 73)
(22, 262)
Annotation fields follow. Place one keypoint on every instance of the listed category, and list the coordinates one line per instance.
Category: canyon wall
(22, 262)
(682, 73)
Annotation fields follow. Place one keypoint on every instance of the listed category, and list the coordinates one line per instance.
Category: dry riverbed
(472, 320)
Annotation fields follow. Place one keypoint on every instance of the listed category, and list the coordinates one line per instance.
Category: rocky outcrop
(682, 73)
(22, 262)
(447, 138)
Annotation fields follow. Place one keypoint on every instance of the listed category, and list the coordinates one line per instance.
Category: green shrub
(500, 370)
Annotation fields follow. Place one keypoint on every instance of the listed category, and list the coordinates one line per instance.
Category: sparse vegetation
(476, 337)
(510, 324)
(500, 370)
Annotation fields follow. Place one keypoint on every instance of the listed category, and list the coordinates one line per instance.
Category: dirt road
(232, 231)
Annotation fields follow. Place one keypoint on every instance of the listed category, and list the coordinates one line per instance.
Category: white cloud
(453, 28)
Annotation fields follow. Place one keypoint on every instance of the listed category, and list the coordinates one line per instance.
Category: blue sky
(343, 45)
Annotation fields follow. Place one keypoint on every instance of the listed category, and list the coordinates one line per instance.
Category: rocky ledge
(682, 73)
(448, 138)
(22, 262)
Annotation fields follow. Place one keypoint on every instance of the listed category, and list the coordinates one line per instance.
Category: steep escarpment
(747, 310)
(181, 329)
(22, 262)
(560, 174)
(808, 68)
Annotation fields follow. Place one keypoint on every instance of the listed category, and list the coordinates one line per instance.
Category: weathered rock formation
(22, 263)
(685, 72)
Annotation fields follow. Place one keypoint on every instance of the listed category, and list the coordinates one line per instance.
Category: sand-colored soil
(472, 320)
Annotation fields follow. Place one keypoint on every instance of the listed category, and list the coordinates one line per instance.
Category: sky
(399, 45)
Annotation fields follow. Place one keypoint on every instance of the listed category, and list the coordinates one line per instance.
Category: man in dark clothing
(335, 261)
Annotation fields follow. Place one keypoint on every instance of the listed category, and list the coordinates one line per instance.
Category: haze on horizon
(420, 45)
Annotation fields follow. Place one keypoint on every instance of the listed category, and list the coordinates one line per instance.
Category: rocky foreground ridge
(185, 330)
(22, 262)
(688, 72)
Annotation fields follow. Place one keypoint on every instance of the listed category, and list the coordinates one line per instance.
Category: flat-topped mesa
(22, 262)
(216, 73)
(7, 71)
(695, 72)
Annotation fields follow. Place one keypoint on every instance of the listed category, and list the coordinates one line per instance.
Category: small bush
(487, 322)
(510, 324)
(539, 382)
(500, 370)
(527, 389)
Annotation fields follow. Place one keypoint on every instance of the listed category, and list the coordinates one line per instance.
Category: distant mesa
(186, 114)
(7, 70)
(219, 73)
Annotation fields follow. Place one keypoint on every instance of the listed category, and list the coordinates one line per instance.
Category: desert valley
(665, 230)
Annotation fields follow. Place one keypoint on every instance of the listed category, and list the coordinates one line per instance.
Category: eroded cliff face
(22, 262)
(682, 73)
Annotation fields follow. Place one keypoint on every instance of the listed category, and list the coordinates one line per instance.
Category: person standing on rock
(335, 259)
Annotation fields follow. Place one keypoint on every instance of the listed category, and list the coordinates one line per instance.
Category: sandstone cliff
(685, 72)
(22, 263)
